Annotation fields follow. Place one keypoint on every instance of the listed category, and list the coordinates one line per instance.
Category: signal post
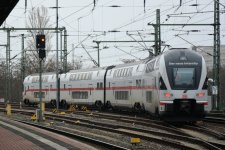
(40, 45)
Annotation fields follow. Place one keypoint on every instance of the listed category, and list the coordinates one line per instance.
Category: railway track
(215, 120)
(90, 141)
(209, 135)
(167, 131)
(174, 140)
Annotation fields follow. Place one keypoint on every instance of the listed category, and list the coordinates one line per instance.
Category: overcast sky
(130, 19)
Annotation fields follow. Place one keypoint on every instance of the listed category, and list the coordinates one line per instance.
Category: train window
(130, 71)
(162, 85)
(124, 72)
(71, 77)
(80, 95)
(101, 85)
(118, 73)
(82, 76)
(121, 73)
(205, 85)
(137, 67)
(64, 86)
(184, 77)
(76, 95)
(36, 95)
(121, 95)
(138, 83)
(109, 73)
(45, 79)
(114, 74)
(98, 85)
(89, 76)
(78, 76)
(149, 96)
(150, 66)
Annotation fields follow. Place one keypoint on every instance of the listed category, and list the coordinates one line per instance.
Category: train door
(150, 93)
(130, 92)
(47, 94)
(90, 94)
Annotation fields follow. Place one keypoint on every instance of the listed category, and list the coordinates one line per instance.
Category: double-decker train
(171, 84)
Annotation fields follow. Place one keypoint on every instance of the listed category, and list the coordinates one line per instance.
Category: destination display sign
(183, 63)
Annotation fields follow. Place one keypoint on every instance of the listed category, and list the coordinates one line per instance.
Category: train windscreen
(183, 78)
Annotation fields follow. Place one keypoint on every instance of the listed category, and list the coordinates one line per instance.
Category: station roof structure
(6, 6)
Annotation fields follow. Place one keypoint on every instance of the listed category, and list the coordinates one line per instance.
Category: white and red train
(171, 84)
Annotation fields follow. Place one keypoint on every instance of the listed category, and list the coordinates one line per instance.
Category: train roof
(87, 70)
(133, 63)
(44, 73)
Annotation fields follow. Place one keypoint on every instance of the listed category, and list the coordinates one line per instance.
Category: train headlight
(168, 94)
(201, 94)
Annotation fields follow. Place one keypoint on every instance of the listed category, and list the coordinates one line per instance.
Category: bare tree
(37, 18)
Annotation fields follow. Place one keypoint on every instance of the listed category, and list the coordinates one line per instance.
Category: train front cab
(183, 103)
(183, 91)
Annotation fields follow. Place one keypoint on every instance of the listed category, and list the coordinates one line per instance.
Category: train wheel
(108, 105)
(98, 105)
(26, 101)
(53, 103)
(157, 113)
(137, 107)
(63, 104)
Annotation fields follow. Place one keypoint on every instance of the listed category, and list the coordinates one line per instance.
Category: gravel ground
(214, 126)
(113, 138)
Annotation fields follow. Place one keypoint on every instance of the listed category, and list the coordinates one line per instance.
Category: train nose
(185, 107)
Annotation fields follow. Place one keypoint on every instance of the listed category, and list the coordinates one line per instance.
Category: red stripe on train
(87, 89)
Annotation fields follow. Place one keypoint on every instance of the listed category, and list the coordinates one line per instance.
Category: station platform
(12, 141)
(17, 136)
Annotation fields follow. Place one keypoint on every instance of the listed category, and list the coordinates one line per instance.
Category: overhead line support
(216, 56)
